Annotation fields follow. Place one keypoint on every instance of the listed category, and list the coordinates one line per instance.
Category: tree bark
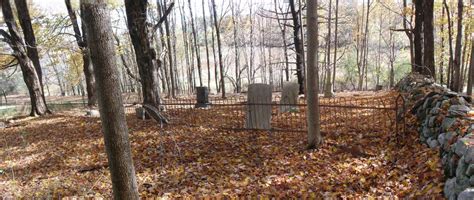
(114, 125)
(148, 64)
(196, 45)
(81, 40)
(236, 50)
(207, 45)
(314, 135)
(328, 86)
(457, 85)
(428, 39)
(298, 45)
(418, 36)
(30, 76)
(219, 50)
(470, 78)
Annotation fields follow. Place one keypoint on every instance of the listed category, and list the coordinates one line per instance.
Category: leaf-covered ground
(60, 156)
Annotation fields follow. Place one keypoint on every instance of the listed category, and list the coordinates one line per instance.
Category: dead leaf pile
(64, 156)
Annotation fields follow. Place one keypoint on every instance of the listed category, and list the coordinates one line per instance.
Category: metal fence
(336, 114)
(339, 114)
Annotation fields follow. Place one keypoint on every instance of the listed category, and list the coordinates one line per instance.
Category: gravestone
(259, 109)
(92, 113)
(378, 87)
(289, 96)
(202, 97)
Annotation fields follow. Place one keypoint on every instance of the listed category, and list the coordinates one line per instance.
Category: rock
(427, 132)
(460, 147)
(431, 121)
(469, 155)
(92, 113)
(467, 194)
(449, 187)
(461, 168)
(462, 183)
(471, 181)
(3, 125)
(447, 123)
(432, 143)
(458, 110)
(470, 170)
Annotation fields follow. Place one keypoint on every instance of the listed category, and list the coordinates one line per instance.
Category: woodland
(224, 99)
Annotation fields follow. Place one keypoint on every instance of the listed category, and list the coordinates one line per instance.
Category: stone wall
(446, 122)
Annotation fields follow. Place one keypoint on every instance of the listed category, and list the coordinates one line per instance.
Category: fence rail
(336, 114)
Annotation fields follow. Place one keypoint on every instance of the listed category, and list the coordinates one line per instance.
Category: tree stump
(202, 97)
(289, 97)
(259, 109)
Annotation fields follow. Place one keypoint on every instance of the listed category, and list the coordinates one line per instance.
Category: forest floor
(62, 155)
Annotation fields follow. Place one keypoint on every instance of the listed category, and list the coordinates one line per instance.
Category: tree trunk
(457, 85)
(114, 125)
(81, 40)
(219, 50)
(450, 43)
(314, 135)
(196, 45)
(441, 57)
(30, 76)
(428, 39)
(418, 36)
(170, 57)
(285, 45)
(148, 64)
(328, 86)
(470, 78)
(207, 45)
(409, 34)
(298, 45)
(236, 50)
(335, 47)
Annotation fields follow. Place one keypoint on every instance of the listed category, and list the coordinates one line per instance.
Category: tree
(299, 49)
(328, 86)
(314, 135)
(114, 125)
(148, 64)
(30, 75)
(457, 85)
(418, 37)
(196, 45)
(219, 48)
(428, 39)
(30, 40)
(470, 79)
(81, 40)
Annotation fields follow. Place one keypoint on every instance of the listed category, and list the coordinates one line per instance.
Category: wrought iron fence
(377, 113)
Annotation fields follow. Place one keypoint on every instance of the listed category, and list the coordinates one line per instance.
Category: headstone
(378, 87)
(141, 113)
(259, 109)
(93, 113)
(202, 96)
(289, 96)
(3, 125)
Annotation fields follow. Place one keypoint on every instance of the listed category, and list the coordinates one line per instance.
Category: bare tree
(30, 75)
(314, 135)
(457, 85)
(117, 144)
(196, 45)
(299, 49)
(81, 41)
(219, 48)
